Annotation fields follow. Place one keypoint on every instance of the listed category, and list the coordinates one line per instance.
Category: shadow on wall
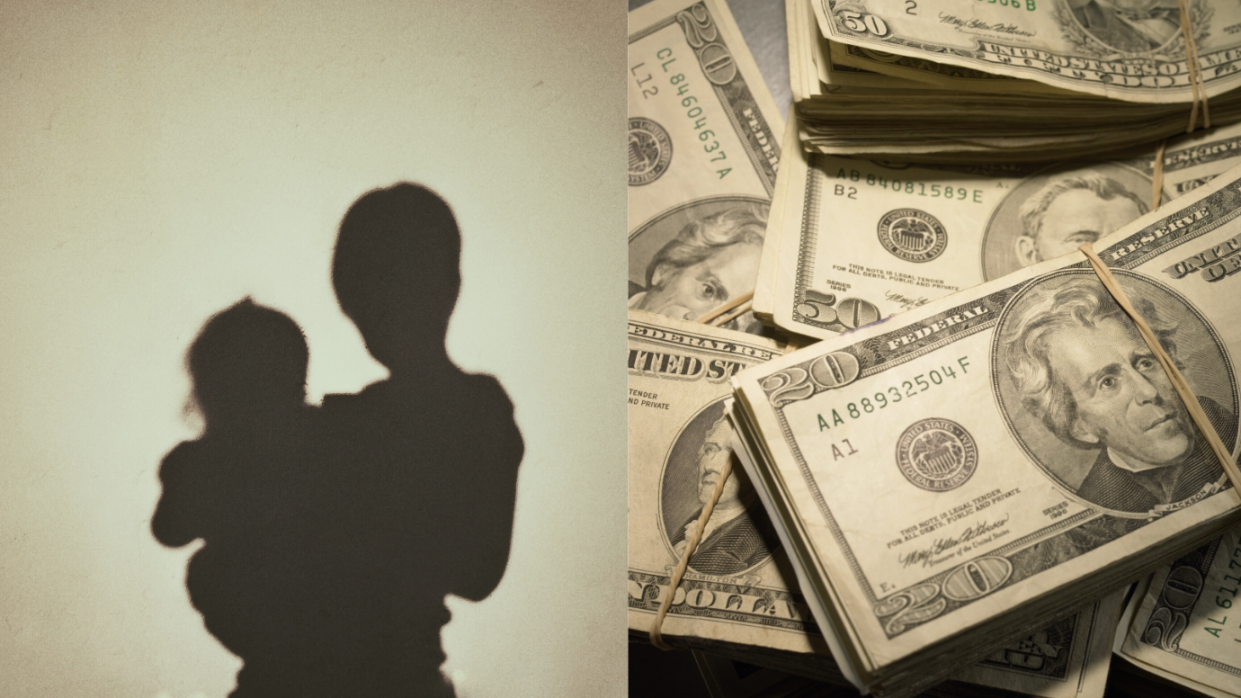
(333, 534)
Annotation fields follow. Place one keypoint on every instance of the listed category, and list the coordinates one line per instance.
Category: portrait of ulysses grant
(1052, 213)
(1128, 26)
(1083, 393)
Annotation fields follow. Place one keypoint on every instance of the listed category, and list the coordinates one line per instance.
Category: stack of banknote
(854, 241)
(738, 599)
(948, 478)
(1177, 624)
(977, 539)
(1005, 81)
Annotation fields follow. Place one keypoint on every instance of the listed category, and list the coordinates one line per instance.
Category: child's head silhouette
(397, 271)
(247, 360)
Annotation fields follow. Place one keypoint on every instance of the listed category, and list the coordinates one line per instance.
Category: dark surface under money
(654, 673)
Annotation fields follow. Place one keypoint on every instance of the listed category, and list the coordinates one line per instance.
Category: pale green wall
(161, 160)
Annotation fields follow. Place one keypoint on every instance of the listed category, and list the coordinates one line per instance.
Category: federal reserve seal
(910, 234)
(650, 151)
(937, 454)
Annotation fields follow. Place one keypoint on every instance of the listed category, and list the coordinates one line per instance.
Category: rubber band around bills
(1199, 87)
(741, 304)
(1178, 381)
(1195, 70)
(735, 313)
(657, 637)
(1157, 175)
(739, 300)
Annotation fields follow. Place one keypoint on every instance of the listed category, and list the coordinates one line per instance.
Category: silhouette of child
(241, 487)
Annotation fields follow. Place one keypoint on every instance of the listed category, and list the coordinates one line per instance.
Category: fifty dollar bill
(1122, 49)
(860, 240)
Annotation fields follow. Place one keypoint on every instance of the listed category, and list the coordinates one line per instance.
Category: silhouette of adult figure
(332, 536)
(428, 457)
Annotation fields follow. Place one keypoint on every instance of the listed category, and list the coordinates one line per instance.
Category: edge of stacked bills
(951, 477)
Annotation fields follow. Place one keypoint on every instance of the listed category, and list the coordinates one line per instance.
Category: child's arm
(175, 521)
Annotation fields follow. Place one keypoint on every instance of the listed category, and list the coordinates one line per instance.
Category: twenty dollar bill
(703, 151)
(1023, 445)
(1185, 627)
(736, 598)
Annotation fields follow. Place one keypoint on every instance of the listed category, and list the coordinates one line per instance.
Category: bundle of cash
(952, 476)
(1177, 624)
(1044, 664)
(734, 599)
(738, 599)
(853, 241)
(703, 153)
(1005, 81)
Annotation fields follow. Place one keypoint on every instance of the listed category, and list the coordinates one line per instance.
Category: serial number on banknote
(1225, 602)
(1027, 5)
(873, 24)
(907, 389)
(693, 111)
(930, 191)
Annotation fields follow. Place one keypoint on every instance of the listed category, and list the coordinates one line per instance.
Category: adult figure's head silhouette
(397, 274)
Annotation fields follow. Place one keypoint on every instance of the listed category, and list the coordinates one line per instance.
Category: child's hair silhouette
(245, 360)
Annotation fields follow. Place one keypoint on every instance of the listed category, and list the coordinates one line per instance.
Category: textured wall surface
(159, 162)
